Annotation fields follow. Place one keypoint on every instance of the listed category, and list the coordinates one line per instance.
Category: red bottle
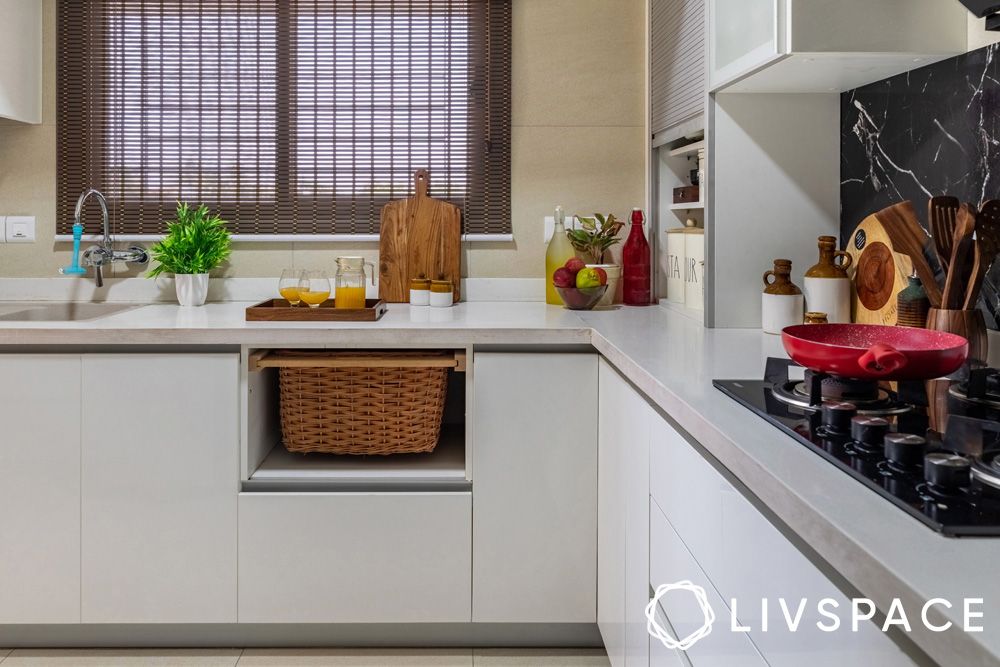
(636, 275)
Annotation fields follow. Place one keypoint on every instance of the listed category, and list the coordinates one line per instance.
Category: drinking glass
(315, 288)
(289, 284)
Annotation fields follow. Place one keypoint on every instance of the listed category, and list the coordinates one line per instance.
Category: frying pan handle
(882, 359)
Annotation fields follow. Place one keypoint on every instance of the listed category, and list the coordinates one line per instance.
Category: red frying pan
(874, 352)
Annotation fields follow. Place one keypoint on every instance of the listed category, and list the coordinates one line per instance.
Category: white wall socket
(20, 229)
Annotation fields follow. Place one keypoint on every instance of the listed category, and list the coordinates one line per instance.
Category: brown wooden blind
(289, 116)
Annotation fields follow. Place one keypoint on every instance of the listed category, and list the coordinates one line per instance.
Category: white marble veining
(879, 549)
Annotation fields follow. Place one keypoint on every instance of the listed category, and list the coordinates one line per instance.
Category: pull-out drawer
(670, 562)
(355, 557)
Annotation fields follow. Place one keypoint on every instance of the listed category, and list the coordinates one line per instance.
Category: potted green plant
(197, 241)
(592, 237)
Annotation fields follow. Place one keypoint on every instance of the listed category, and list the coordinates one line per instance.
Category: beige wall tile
(583, 169)
(578, 140)
(578, 62)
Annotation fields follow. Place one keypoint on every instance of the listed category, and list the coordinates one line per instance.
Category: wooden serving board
(878, 273)
(279, 310)
(420, 237)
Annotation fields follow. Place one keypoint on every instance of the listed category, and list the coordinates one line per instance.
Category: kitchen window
(296, 119)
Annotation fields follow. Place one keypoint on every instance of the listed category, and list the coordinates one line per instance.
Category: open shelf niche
(268, 463)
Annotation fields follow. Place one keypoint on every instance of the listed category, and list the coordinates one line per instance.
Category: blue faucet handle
(75, 269)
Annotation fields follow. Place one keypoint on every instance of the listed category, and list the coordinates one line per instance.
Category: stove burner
(982, 388)
(797, 394)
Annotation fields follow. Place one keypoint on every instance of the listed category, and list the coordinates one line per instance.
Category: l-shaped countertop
(672, 359)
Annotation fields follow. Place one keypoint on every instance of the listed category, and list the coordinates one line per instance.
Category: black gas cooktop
(881, 438)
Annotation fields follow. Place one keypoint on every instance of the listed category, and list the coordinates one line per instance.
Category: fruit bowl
(581, 298)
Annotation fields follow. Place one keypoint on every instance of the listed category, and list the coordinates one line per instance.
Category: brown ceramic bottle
(828, 289)
(781, 302)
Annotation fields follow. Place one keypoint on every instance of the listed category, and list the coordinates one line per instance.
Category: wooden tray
(279, 310)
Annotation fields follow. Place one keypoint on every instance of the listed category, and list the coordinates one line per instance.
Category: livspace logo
(859, 612)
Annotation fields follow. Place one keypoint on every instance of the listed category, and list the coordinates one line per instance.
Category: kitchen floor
(311, 657)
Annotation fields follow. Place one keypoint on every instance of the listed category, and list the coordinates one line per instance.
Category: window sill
(285, 238)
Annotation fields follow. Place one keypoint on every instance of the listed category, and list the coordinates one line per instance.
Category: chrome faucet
(98, 256)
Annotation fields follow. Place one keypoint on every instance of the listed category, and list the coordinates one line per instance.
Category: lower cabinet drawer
(671, 562)
(355, 557)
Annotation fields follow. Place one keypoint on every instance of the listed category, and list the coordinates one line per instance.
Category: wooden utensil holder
(967, 323)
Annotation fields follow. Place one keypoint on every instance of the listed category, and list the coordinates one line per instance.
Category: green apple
(588, 278)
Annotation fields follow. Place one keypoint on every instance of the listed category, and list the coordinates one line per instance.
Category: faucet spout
(103, 254)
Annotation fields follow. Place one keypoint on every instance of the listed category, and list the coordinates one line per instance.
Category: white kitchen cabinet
(672, 562)
(535, 488)
(623, 519)
(40, 489)
(21, 60)
(826, 45)
(741, 555)
(159, 488)
(355, 557)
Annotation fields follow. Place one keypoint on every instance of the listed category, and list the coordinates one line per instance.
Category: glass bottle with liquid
(350, 283)
(559, 251)
(636, 269)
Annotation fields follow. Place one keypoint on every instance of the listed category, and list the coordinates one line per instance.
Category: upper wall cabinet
(819, 46)
(677, 62)
(21, 60)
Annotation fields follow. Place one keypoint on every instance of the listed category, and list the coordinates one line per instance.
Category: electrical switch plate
(20, 229)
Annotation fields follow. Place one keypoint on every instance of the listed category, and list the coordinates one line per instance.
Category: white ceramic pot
(676, 259)
(694, 270)
(614, 272)
(780, 310)
(831, 296)
(192, 288)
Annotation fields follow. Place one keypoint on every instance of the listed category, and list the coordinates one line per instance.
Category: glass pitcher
(351, 281)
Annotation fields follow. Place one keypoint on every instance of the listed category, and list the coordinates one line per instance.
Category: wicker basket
(340, 405)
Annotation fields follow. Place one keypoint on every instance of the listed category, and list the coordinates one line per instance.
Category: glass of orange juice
(315, 288)
(288, 285)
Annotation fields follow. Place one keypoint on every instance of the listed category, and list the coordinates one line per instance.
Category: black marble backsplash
(932, 131)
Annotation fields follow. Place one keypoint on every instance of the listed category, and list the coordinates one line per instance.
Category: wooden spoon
(941, 215)
(909, 238)
(986, 250)
(962, 258)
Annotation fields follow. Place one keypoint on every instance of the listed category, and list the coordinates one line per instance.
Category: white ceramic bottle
(781, 302)
(828, 289)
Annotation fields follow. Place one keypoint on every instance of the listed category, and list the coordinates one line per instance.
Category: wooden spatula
(941, 215)
(962, 258)
(908, 237)
(987, 247)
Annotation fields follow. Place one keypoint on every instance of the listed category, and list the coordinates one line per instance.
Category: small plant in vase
(592, 238)
(197, 241)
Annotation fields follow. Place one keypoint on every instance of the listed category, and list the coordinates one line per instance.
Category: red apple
(602, 274)
(563, 277)
(574, 264)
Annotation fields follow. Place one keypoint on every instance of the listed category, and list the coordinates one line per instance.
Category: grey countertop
(878, 549)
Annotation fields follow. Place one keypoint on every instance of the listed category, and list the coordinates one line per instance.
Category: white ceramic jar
(782, 304)
(420, 292)
(441, 294)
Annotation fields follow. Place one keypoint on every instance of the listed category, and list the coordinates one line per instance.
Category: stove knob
(837, 416)
(947, 471)
(869, 430)
(905, 449)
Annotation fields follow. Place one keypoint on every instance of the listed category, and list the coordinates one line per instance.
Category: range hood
(987, 9)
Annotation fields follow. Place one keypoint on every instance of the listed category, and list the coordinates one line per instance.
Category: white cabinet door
(760, 563)
(623, 519)
(535, 480)
(355, 557)
(672, 562)
(743, 35)
(40, 489)
(160, 482)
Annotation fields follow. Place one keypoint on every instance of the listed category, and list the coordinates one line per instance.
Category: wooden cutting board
(421, 237)
(878, 273)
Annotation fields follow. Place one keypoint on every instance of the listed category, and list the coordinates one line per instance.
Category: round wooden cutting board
(878, 274)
